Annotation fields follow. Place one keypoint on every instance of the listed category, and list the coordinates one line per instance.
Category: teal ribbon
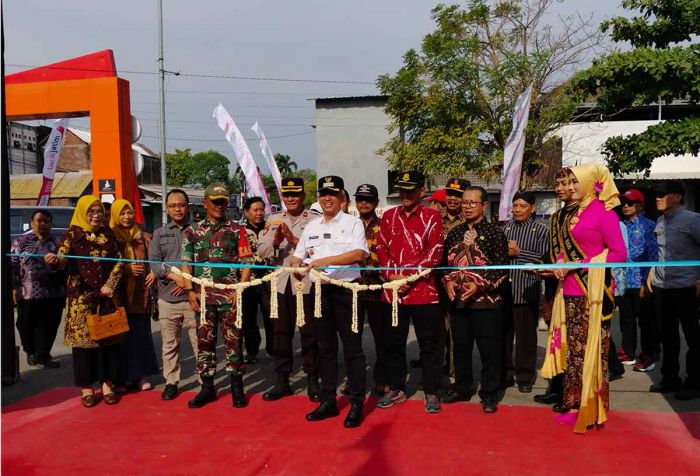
(531, 267)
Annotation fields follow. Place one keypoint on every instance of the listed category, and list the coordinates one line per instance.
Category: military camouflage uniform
(225, 242)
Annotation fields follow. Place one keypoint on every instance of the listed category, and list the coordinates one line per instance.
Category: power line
(200, 75)
(224, 140)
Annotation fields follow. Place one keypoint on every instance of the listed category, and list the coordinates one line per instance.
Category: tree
(661, 67)
(310, 185)
(285, 164)
(199, 169)
(452, 102)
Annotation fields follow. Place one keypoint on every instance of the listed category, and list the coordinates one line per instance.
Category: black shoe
(509, 382)
(31, 361)
(548, 398)
(313, 390)
(47, 363)
(489, 407)
(446, 369)
(354, 418)
(665, 387)
(560, 408)
(524, 388)
(250, 359)
(453, 397)
(416, 364)
(323, 411)
(169, 392)
(616, 376)
(237, 393)
(207, 394)
(280, 390)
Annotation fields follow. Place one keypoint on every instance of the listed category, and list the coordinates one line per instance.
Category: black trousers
(373, 311)
(429, 325)
(336, 309)
(100, 364)
(283, 333)
(254, 298)
(522, 363)
(37, 322)
(674, 306)
(635, 311)
(486, 327)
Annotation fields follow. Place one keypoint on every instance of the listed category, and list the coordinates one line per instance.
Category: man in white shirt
(336, 239)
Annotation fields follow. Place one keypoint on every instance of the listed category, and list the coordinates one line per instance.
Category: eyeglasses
(177, 205)
(471, 204)
(95, 212)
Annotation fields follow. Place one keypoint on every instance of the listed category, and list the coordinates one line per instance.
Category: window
(16, 144)
(30, 147)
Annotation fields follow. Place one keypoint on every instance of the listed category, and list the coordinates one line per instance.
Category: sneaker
(391, 398)
(432, 404)
(644, 364)
(625, 359)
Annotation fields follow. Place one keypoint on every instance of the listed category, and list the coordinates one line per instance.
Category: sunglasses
(629, 203)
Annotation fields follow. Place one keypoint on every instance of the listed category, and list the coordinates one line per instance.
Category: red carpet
(52, 433)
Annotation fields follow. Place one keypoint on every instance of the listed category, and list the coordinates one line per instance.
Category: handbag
(102, 326)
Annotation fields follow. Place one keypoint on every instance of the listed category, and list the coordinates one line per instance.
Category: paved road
(629, 393)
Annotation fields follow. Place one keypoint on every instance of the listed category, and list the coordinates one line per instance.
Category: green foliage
(200, 169)
(310, 184)
(653, 71)
(452, 102)
(285, 164)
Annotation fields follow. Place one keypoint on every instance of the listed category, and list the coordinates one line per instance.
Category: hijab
(595, 182)
(125, 236)
(80, 214)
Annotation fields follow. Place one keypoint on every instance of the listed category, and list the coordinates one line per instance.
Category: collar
(335, 219)
(208, 223)
(671, 215)
(256, 229)
(529, 221)
(172, 225)
(634, 220)
(416, 210)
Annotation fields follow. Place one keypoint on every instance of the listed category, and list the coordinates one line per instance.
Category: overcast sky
(301, 39)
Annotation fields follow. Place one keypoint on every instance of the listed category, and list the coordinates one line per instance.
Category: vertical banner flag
(254, 182)
(51, 156)
(270, 157)
(513, 154)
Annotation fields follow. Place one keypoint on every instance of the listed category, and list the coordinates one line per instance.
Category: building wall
(53, 202)
(22, 149)
(348, 134)
(75, 155)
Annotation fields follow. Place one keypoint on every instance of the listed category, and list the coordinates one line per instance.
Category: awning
(65, 185)
(582, 143)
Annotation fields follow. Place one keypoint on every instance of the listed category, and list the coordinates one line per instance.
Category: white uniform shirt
(341, 234)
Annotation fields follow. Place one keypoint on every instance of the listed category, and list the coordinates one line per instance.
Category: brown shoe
(89, 401)
(112, 398)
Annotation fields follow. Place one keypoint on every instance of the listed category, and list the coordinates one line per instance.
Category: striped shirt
(533, 240)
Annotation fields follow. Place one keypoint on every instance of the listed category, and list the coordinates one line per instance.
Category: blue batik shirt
(642, 247)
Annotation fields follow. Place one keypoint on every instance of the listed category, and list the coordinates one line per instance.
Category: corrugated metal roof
(65, 185)
(85, 136)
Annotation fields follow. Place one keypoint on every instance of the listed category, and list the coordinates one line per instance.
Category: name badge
(327, 236)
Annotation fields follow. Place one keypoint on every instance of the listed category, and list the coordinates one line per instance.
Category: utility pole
(161, 87)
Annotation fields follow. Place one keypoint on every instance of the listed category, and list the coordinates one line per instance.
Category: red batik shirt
(409, 241)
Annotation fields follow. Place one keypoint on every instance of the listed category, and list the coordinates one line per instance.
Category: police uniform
(322, 238)
(283, 327)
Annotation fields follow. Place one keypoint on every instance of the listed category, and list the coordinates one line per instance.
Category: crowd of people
(463, 302)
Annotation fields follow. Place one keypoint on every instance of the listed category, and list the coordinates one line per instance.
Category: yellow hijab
(80, 214)
(594, 182)
(125, 237)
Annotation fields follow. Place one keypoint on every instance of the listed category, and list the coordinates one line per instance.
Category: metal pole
(161, 87)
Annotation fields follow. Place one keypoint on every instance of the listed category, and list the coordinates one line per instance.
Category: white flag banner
(270, 158)
(254, 183)
(513, 154)
(51, 156)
